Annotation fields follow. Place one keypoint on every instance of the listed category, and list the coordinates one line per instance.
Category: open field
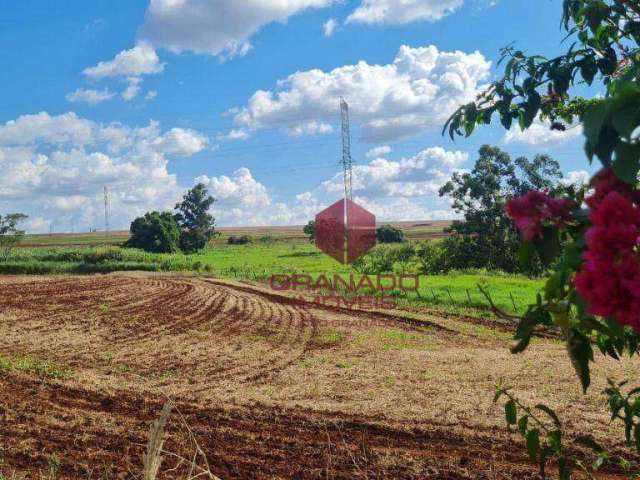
(413, 230)
(257, 262)
(271, 388)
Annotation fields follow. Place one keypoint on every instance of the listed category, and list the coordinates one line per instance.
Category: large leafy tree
(155, 232)
(198, 226)
(592, 295)
(481, 196)
(10, 234)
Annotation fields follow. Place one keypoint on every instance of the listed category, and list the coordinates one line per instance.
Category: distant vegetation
(190, 229)
(310, 230)
(389, 234)
(241, 240)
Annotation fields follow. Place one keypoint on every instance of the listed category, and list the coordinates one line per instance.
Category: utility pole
(347, 161)
(106, 211)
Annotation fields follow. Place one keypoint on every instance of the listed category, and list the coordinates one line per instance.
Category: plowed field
(269, 387)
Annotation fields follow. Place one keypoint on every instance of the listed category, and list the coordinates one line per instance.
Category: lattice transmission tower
(347, 161)
(107, 210)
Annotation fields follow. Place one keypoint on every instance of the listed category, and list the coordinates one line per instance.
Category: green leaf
(581, 353)
(531, 108)
(545, 453)
(555, 440)
(627, 162)
(588, 69)
(533, 444)
(511, 412)
(551, 414)
(522, 425)
(564, 471)
(549, 246)
(625, 120)
(506, 119)
(593, 121)
(595, 13)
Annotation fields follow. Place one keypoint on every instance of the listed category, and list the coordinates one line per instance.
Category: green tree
(389, 234)
(156, 232)
(197, 225)
(481, 195)
(10, 235)
(310, 230)
(604, 36)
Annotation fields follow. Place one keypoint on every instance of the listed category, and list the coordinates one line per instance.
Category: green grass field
(259, 261)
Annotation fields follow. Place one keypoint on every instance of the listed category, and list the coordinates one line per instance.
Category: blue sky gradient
(174, 130)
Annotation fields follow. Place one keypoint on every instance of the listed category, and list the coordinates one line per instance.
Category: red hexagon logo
(345, 231)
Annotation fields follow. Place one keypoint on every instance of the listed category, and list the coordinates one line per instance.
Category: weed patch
(40, 368)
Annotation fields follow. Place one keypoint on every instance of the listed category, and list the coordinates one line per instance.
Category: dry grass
(213, 344)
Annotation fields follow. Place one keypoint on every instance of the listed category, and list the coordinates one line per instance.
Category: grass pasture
(258, 261)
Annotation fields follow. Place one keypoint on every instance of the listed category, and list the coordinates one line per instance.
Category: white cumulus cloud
(216, 27)
(140, 60)
(539, 134)
(415, 93)
(310, 128)
(181, 142)
(329, 27)
(129, 65)
(132, 90)
(578, 178)
(397, 12)
(420, 175)
(55, 168)
(379, 151)
(89, 96)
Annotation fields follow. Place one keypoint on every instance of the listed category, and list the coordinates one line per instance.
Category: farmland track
(236, 359)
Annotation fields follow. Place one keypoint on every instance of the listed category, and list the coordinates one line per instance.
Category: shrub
(102, 255)
(267, 239)
(389, 234)
(386, 259)
(242, 240)
(155, 232)
(431, 257)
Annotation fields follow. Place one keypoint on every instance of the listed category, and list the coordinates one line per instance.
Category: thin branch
(496, 310)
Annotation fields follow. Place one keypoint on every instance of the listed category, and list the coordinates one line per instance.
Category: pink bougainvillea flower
(610, 276)
(531, 211)
(615, 209)
(607, 242)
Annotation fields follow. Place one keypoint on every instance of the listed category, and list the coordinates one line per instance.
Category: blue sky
(148, 97)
